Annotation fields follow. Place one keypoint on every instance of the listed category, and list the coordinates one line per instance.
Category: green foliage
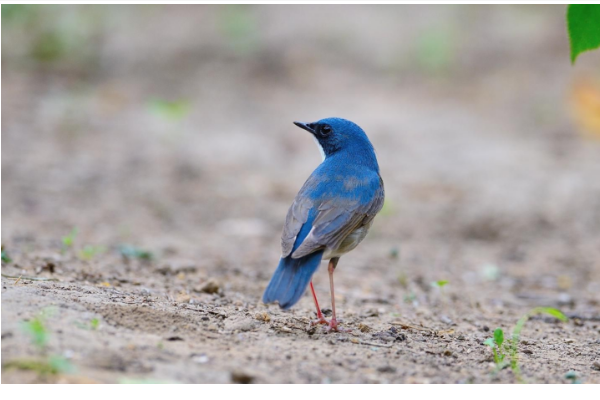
(12, 13)
(403, 279)
(410, 298)
(495, 344)
(435, 51)
(440, 283)
(54, 35)
(51, 366)
(93, 324)
(170, 110)
(60, 364)
(88, 252)
(36, 328)
(499, 336)
(238, 25)
(68, 240)
(48, 48)
(5, 257)
(516, 336)
(500, 347)
(129, 252)
(583, 24)
(572, 376)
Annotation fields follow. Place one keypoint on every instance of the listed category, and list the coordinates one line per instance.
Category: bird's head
(334, 135)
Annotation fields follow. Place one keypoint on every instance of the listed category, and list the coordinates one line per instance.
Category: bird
(330, 215)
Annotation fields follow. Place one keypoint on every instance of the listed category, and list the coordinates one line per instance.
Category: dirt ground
(489, 185)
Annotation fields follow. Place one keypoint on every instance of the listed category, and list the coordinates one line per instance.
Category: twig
(17, 281)
(372, 344)
(29, 278)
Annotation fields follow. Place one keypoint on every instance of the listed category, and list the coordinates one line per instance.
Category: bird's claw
(333, 326)
(318, 321)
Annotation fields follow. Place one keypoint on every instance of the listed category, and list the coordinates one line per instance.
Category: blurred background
(170, 128)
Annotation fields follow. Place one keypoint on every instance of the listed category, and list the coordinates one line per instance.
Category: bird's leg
(320, 319)
(333, 325)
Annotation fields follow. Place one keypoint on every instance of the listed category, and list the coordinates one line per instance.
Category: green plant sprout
(410, 298)
(495, 344)
(403, 279)
(170, 110)
(53, 365)
(5, 257)
(238, 25)
(93, 325)
(129, 252)
(516, 336)
(67, 241)
(36, 328)
(89, 252)
(572, 376)
(440, 284)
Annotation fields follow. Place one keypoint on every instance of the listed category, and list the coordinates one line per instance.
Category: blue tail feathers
(291, 279)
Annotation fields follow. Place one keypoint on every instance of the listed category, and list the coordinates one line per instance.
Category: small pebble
(200, 358)
(386, 368)
(241, 377)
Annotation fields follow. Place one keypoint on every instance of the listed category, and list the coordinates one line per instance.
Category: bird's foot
(320, 320)
(333, 326)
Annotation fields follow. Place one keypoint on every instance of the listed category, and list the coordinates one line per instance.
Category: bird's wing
(296, 217)
(336, 219)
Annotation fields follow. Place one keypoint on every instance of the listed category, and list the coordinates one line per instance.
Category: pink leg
(320, 319)
(333, 325)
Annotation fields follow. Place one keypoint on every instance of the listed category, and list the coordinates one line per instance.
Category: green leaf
(572, 376)
(489, 342)
(583, 24)
(70, 238)
(440, 283)
(135, 252)
(169, 110)
(5, 257)
(499, 337)
(550, 311)
(60, 364)
(37, 330)
(89, 251)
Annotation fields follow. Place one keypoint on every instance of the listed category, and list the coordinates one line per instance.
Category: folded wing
(335, 220)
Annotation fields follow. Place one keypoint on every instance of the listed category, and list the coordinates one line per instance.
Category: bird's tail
(291, 279)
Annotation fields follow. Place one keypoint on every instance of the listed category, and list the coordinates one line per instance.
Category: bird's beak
(305, 126)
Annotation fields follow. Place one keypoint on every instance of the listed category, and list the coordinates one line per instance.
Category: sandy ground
(488, 185)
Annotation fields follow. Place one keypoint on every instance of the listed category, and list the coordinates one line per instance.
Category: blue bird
(330, 215)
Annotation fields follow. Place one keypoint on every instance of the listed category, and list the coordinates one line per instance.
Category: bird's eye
(326, 130)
